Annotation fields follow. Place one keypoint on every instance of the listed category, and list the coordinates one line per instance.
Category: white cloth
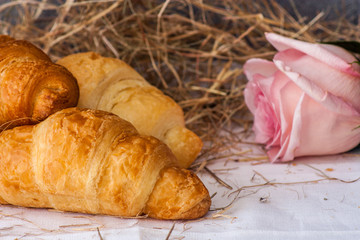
(328, 209)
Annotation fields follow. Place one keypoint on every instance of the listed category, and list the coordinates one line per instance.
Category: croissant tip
(178, 194)
(198, 211)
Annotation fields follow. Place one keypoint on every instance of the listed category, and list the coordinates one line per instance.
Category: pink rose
(306, 101)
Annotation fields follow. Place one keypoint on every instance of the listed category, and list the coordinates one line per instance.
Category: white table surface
(292, 205)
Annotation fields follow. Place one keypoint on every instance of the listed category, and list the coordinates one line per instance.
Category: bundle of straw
(191, 49)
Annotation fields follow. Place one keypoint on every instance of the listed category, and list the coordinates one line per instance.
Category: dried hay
(191, 49)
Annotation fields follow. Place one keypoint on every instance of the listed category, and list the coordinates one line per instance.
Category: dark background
(333, 8)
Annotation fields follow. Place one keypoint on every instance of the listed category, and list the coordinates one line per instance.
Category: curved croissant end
(95, 162)
(110, 84)
(32, 87)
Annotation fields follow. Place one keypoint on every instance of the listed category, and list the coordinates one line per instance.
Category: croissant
(93, 161)
(31, 86)
(110, 84)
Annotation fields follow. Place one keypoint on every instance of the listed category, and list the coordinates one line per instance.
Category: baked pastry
(110, 84)
(94, 162)
(31, 86)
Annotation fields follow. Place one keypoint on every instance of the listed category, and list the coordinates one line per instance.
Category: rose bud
(306, 101)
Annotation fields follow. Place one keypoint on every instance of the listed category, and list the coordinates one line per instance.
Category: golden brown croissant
(95, 162)
(31, 86)
(111, 85)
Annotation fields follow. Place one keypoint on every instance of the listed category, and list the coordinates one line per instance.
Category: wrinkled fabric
(306, 101)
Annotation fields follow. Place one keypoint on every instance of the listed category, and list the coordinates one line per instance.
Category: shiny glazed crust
(32, 87)
(95, 162)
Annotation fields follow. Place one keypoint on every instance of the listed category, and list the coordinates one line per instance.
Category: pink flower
(306, 101)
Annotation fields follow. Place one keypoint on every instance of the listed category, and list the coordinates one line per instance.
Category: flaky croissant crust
(110, 84)
(95, 162)
(32, 87)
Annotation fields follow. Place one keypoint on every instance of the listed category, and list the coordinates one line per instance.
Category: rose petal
(330, 134)
(260, 70)
(280, 82)
(265, 120)
(294, 138)
(300, 112)
(286, 151)
(310, 138)
(290, 97)
(258, 66)
(250, 94)
(325, 77)
(334, 56)
(330, 101)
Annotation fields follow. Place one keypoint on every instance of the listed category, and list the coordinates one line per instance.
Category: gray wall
(332, 8)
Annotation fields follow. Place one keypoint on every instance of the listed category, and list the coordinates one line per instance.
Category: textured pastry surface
(111, 85)
(95, 162)
(31, 86)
